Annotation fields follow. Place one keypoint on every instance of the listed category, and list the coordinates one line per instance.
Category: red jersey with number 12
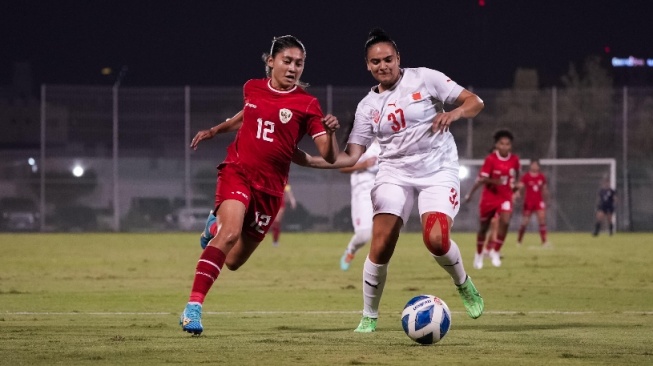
(503, 168)
(274, 122)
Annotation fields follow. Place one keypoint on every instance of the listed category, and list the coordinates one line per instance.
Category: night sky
(219, 43)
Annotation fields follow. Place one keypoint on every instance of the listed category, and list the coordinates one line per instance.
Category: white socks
(374, 276)
(358, 240)
(452, 262)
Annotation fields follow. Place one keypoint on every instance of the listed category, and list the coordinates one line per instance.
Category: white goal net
(573, 185)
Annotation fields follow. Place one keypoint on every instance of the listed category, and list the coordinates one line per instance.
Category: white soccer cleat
(495, 257)
(478, 260)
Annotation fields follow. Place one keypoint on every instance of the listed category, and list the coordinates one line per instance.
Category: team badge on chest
(285, 115)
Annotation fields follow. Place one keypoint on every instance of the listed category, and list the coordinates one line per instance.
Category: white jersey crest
(285, 115)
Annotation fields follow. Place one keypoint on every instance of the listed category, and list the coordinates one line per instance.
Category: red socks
(276, 232)
(520, 235)
(497, 244)
(480, 241)
(207, 271)
(522, 229)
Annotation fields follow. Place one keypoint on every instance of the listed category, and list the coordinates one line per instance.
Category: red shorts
(262, 207)
(487, 209)
(534, 206)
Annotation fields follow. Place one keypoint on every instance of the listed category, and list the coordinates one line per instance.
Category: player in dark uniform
(607, 201)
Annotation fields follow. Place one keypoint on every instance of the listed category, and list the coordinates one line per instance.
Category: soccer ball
(426, 319)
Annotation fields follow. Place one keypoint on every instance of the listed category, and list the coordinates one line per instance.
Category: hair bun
(376, 32)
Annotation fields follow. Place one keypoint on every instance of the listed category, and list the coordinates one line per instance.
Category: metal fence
(97, 158)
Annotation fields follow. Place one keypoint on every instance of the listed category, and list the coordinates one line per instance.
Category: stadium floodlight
(463, 172)
(32, 162)
(78, 171)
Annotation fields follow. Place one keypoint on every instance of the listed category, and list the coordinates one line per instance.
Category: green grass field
(115, 299)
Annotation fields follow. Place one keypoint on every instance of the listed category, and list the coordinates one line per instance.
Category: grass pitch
(115, 299)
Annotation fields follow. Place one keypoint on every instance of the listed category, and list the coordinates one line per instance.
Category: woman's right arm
(361, 165)
(344, 159)
(230, 124)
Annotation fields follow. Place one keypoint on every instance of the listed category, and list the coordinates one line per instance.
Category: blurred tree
(526, 111)
(588, 112)
(640, 138)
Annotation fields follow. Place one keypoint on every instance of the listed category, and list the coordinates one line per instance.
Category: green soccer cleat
(191, 319)
(367, 325)
(471, 298)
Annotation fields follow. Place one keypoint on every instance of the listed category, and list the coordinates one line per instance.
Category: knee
(232, 265)
(436, 234)
(436, 244)
(433, 240)
(227, 238)
(363, 235)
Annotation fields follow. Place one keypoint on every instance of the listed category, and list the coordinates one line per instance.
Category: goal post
(573, 191)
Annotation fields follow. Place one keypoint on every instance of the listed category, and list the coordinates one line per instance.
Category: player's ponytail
(378, 35)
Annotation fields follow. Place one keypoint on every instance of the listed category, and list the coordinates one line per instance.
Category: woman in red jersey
(535, 193)
(277, 113)
(499, 174)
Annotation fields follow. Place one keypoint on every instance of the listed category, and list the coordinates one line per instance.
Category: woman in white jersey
(419, 159)
(362, 178)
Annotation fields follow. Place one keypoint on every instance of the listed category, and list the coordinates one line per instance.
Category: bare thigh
(279, 217)
(230, 218)
(504, 222)
(241, 252)
(385, 233)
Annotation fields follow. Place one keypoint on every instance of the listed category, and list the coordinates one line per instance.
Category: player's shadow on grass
(531, 327)
(286, 328)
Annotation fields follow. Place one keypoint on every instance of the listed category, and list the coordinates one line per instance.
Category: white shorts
(437, 193)
(362, 211)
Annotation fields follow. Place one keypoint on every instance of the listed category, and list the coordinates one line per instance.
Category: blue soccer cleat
(206, 236)
(191, 318)
(345, 260)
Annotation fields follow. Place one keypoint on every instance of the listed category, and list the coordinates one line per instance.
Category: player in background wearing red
(536, 194)
(498, 176)
(276, 225)
(277, 113)
(494, 223)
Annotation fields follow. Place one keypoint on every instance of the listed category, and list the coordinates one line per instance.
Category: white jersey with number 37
(401, 119)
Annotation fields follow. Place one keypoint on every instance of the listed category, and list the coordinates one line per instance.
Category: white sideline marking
(507, 312)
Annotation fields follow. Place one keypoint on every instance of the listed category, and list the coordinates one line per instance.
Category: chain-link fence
(117, 159)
